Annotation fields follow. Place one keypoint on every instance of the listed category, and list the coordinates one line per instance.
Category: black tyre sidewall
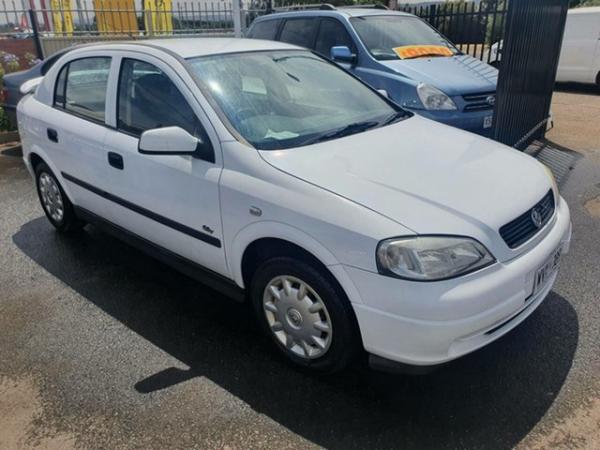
(344, 343)
(69, 221)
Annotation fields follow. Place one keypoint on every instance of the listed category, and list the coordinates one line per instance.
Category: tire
(328, 347)
(55, 203)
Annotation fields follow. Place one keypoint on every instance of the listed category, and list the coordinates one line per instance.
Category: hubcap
(51, 198)
(297, 317)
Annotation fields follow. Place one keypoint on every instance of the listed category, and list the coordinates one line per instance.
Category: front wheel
(307, 317)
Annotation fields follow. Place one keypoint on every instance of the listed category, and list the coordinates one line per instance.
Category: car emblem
(491, 100)
(536, 217)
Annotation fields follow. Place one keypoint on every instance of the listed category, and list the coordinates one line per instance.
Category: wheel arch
(263, 240)
(36, 157)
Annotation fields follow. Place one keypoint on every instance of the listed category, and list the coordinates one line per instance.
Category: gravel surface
(103, 347)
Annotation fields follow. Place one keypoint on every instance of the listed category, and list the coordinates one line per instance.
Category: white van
(580, 53)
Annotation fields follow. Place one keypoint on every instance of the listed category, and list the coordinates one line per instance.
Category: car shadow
(489, 399)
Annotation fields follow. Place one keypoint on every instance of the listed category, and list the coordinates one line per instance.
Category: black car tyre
(305, 313)
(57, 206)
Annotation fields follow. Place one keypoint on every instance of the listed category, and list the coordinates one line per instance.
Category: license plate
(487, 121)
(545, 272)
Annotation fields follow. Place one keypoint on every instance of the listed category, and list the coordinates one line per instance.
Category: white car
(579, 60)
(268, 172)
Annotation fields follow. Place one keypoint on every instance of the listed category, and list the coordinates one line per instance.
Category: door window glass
(299, 32)
(266, 29)
(81, 87)
(331, 34)
(148, 99)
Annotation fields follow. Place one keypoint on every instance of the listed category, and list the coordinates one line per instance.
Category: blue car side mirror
(342, 54)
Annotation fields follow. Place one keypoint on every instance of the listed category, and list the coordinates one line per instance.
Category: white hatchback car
(264, 170)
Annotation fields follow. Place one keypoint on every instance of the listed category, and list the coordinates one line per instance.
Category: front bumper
(429, 323)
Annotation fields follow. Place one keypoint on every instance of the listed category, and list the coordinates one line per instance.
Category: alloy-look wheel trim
(52, 200)
(297, 317)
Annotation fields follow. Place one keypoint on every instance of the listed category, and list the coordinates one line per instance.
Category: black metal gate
(529, 59)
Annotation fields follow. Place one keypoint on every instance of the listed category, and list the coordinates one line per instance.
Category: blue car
(397, 53)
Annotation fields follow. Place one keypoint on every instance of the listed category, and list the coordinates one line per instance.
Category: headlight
(433, 98)
(430, 258)
(553, 182)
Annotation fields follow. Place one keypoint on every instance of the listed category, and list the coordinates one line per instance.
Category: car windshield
(284, 99)
(401, 37)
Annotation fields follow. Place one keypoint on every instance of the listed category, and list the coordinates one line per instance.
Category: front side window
(283, 99)
(300, 32)
(382, 34)
(267, 29)
(81, 87)
(148, 99)
(331, 34)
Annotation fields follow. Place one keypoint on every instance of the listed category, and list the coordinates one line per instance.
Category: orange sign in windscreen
(417, 51)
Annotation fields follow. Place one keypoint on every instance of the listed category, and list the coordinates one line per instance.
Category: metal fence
(534, 33)
(53, 29)
(472, 27)
(180, 18)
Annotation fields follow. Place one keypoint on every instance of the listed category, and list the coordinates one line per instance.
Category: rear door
(170, 200)
(75, 129)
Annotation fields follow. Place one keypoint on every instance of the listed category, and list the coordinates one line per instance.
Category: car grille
(522, 228)
(479, 102)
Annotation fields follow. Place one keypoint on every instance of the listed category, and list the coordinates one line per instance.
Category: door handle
(52, 134)
(115, 160)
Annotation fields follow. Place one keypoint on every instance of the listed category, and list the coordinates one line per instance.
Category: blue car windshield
(283, 99)
(382, 34)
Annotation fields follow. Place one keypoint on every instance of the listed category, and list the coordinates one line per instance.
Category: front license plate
(545, 272)
(487, 121)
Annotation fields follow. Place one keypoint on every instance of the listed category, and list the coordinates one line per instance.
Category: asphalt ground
(104, 347)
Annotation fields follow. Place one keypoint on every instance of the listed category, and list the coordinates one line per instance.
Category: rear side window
(299, 32)
(81, 87)
(267, 29)
(148, 99)
(332, 33)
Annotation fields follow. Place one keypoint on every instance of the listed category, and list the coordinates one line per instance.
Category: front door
(170, 200)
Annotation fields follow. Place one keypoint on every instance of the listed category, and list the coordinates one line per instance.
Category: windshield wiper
(352, 128)
(427, 55)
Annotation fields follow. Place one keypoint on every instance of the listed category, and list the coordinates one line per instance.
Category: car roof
(201, 46)
(343, 12)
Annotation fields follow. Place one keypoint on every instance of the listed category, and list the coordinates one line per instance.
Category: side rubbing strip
(145, 212)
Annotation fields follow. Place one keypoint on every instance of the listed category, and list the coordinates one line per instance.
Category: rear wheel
(305, 314)
(55, 203)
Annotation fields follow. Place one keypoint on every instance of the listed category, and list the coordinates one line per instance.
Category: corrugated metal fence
(531, 48)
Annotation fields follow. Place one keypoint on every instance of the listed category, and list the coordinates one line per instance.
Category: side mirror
(174, 141)
(342, 54)
(30, 86)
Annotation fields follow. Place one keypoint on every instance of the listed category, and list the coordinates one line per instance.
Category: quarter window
(81, 87)
(148, 99)
(299, 32)
(332, 33)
